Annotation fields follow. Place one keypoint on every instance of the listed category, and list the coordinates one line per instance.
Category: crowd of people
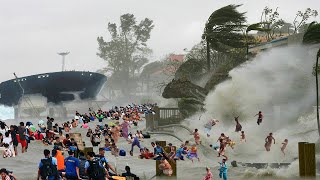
(106, 136)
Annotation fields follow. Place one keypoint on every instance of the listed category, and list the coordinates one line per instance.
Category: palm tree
(312, 36)
(222, 30)
(255, 27)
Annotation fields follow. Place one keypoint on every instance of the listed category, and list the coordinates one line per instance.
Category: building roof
(176, 57)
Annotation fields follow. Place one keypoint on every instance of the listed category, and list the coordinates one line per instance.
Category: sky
(33, 31)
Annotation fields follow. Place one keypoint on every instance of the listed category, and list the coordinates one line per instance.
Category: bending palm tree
(312, 36)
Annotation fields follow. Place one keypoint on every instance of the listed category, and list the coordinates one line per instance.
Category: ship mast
(63, 54)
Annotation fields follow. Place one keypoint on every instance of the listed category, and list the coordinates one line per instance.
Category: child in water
(193, 153)
(196, 136)
(284, 145)
(243, 137)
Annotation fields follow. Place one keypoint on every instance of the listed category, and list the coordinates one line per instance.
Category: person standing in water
(223, 169)
(284, 145)
(238, 125)
(208, 175)
(208, 126)
(260, 117)
(243, 137)
(269, 141)
(196, 136)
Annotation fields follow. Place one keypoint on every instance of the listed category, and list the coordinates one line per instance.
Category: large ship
(57, 87)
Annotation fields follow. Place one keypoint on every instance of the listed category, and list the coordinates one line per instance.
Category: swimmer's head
(222, 134)
(210, 145)
(270, 134)
(259, 111)
(242, 132)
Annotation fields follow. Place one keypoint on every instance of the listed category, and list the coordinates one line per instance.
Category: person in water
(135, 142)
(223, 169)
(243, 137)
(260, 117)
(269, 141)
(193, 153)
(196, 136)
(208, 175)
(238, 125)
(208, 126)
(284, 145)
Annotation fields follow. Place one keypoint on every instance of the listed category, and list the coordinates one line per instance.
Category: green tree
(223, 30)
(126, 51)
(302, 17)
(270, 19)
(254, 27)
(312, 36)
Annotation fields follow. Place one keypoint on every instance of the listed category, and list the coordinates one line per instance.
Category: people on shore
(48, 167)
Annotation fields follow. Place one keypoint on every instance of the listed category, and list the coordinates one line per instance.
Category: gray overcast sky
(33, 31)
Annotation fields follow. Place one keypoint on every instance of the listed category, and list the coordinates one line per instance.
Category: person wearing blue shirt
(223, 169)
(42, 171)
(179, 153)
(72, 167)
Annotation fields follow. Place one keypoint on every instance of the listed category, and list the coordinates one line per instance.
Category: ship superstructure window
(43, 76)
(18, 80)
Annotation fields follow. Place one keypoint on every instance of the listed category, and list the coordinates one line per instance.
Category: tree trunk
(208, 55)
(317, 88)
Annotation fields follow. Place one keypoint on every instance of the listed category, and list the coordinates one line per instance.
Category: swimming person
(260, 117)
(284, 145)
(269, 141)
(208, 126)
(135, 142)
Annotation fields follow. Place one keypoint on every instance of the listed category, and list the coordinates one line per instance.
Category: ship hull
(56, 87)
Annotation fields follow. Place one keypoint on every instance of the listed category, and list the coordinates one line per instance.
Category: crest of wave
(279, 77)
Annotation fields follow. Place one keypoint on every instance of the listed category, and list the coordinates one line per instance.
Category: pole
(317, 89)
(63, 61)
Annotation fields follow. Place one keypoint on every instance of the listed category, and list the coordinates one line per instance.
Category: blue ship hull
(55, 86)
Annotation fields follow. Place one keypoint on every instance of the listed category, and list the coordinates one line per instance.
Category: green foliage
(126, 51)
(270, 19)
(257, 27)
(312, 35)
(302, 17)
(192, 69)
(223, 29)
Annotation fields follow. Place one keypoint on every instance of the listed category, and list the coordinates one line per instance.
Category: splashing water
(6, 113)
(279, 83)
